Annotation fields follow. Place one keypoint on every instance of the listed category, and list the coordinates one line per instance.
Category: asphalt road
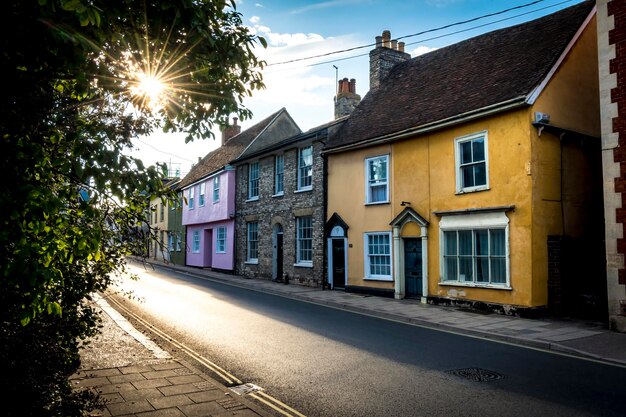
(328, 362)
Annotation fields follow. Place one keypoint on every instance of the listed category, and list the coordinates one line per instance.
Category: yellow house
(160, 242)
(471, 174)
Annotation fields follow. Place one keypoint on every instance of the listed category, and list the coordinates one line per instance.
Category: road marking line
(225, 375)
(280, 403)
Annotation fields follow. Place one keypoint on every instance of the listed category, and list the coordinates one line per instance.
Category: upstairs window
(201, 197)
(279, 168)
(471, 163)
(191, 196)
(377, 179)
(305, 168)
(162, 213)
(216, 189)
(253, 181)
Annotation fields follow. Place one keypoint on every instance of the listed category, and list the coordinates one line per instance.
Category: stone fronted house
(280, 207)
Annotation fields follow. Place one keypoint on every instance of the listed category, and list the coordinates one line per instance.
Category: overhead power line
(423, 33)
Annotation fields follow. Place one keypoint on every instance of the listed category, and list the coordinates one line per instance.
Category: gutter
(514, 103)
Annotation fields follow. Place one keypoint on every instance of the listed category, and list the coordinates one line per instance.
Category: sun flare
(150, 90)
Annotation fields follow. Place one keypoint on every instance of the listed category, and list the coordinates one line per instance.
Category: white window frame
(191, 198)
(220, 240)
(253, 183)
(201, 196)
(179, 239)
(279, 175)
(250, 259)
(300, 240)
(473, 222)
(303, 167)
(170, 239)
(216, 189)
(367, 255)
(460, 189)
(195, 241)
(369, 182)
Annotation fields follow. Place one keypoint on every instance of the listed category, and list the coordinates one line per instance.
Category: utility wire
(424, 32)
(425, 39)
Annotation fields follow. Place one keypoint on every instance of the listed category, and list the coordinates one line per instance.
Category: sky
(296, 29)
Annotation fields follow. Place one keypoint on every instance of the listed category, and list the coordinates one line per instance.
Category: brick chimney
(346, 99)
(384, 56)
(230, 131)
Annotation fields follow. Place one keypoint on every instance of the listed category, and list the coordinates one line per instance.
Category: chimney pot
(401, 46)
(394, 44)
(235, 121)
(353, 85)
(386, 38)
(379, 41)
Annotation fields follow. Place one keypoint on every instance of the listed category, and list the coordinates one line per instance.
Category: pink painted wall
(207, 218)
(211, 258)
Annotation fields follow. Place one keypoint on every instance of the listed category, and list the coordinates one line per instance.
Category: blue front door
(413, 267)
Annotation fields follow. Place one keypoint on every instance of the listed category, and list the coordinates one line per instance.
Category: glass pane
(482, 269)
(465, 268)
(482, 242)
(466, 152)
(480, 174)
(497, 242)
(498, 270)
(468, 176)
(379, 193)
(465, 242)
(451, 269)
(450, 243)
(478, 150)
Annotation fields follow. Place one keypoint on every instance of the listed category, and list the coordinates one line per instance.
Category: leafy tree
(72, 202)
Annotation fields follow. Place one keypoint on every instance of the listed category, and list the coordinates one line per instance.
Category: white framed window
(216, 189)
(170, 239)
(304, 240)
(191, 197)
(162, 212)
(179, 239)
(253, 181)
(472, 167)
(220, 240)
(378, 256)
(377, 181)
(252, 255)
(305, 168)
(279, 169)
(201, 194)
(195, 241)
(475, 250)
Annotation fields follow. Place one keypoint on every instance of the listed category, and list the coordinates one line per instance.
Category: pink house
(209, 193)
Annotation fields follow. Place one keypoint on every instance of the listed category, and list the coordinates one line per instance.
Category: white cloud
(259, 5)
(255, 19)
(421, 50)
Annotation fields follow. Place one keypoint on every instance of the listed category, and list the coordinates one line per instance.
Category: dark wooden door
(413, 267)
(339, 263)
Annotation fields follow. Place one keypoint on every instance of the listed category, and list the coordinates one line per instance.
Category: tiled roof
(222, 156)
(483, 71)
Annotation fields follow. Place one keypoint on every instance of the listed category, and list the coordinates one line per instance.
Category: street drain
(477, 374)
(245, 389)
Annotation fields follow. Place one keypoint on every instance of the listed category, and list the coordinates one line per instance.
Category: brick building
(612, 71)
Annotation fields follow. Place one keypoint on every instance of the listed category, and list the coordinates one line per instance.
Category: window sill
(278, 194)
(252, 262)
(252, 199)
(216, 201)
(385, 279)
(218, 252)
(194, 252)
(377, 203)
(303, 190)
(471, 190)
(304, 265)
(472, 285)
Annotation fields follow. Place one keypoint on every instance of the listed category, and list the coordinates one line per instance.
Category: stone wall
(271, 210)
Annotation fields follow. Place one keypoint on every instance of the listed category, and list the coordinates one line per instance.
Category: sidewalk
(591, 340)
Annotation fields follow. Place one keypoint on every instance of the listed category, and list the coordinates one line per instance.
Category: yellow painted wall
(572, 100)
(524, 172)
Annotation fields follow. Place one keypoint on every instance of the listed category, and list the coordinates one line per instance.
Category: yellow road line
(280, 403)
